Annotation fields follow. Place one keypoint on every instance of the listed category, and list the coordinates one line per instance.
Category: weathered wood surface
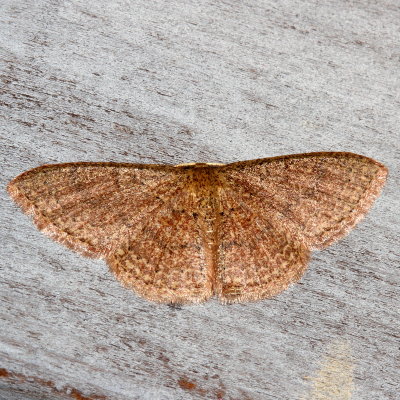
(139, 81)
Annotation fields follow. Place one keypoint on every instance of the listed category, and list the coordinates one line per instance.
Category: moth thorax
(203, 182)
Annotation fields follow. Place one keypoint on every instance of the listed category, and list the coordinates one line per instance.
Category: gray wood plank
(181, 81)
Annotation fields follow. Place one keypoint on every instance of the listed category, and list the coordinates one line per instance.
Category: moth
(184, 233)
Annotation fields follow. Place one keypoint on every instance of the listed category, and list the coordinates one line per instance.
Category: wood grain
(175, 82)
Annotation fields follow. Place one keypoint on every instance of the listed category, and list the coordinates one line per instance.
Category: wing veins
(253, 239)
(256, 191)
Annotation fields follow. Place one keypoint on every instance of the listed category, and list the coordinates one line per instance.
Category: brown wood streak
(179, 234)
(72, 393)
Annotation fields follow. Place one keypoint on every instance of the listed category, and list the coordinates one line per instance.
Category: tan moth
(181, 234)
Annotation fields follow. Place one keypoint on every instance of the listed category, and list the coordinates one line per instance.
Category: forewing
(165, 257)
(256, 259)
(91, 207)
(317, 197)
